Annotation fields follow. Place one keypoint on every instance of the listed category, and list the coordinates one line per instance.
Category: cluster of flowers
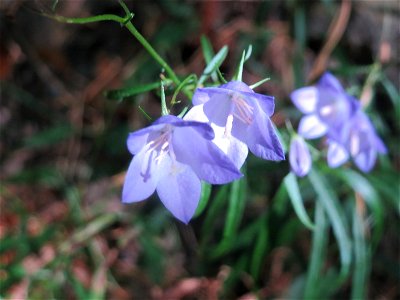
(210, 143)
(329, 110)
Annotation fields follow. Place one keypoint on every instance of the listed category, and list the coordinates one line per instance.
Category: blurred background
(64, 232)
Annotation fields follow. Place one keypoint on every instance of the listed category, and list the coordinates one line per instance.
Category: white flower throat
(157, 148)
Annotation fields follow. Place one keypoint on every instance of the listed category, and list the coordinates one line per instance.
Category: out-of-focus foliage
(71, 93)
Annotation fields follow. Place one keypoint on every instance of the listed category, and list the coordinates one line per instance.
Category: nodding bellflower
(330, 110)
(240, 119)
(359, 140)
(299, 156)
(326, 107)
(172, 156)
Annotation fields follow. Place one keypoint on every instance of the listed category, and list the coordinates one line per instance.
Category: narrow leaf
(257, 84)
(208, 54)
(260, 249)
(207, 49)
(362, 186)
(164, 109)
(245, 56)
(235, 208)
(361, 259)
(335, 214)
(131, 91)
(296, 199)
(204, 197)
(318, 253)
(214, 64)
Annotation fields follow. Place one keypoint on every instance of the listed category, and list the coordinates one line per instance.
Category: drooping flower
(326, 107)
(359, 140)
(330, 110)
(299, 156)
(241, 120)
(172, 156)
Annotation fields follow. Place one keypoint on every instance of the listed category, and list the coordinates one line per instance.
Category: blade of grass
(260, 248)
(214, 64)
(204, 197)
(335, 214)
(318, 253)
(362, 186)
(295, 197)
(235, 208)
(361, 259)
(120, 94)
(258, 83)
(208, 54)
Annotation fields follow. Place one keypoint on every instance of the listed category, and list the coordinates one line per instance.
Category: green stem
(152, 52)
(99, 18)
(126, 21)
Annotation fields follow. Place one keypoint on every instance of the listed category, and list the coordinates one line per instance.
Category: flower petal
(238, 86)
(206, 159)
(218, 109)
(235, 149)
(138, 139)
(265, 102)
(141, 178)
(337, 154)
(260, 137)
(380, 146)
(311, 127)
(305, 99)
(365, 160)
(328, 81)
(179, 189)
(203, 95)
(299, 157)
(196, 113)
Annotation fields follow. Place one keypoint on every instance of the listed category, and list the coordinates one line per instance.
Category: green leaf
(318, 253)
(245, 56)
(335, 213)
(216, 208)
(204, 197)
(207, 49)
(258, 83)
(361, 259)
(296, 199)
(362, 186)
(260, 248)
(164, 109)
(120, 94)
(393, 93)
(236, 207)
(214, 64)
(208, 54)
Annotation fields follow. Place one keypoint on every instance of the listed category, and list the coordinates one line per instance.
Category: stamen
(244, 111)
(158, 148)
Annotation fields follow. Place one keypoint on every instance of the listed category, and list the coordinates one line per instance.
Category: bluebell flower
(326, 107)
(172, 156)
(299, 156)
(241, 120)
(357, 139)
